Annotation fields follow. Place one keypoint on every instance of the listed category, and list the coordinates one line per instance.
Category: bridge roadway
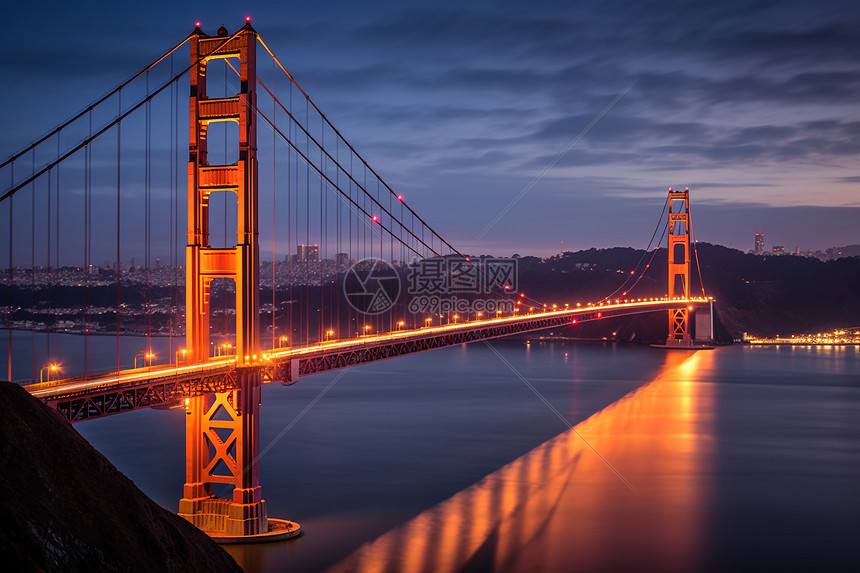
(166, 386)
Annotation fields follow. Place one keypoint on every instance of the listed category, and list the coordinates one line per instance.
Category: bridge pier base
(246, 515)
(222, 447)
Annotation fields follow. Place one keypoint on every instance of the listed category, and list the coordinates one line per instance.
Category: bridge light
(573, 321)
(374, 218)
(599, 314)
(247, 18)
(400, 197)
(507, 287)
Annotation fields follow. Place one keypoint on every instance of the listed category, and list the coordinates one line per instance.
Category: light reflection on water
(561, 508)
(744, 458)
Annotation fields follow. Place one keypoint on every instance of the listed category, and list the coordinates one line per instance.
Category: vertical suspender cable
(289, 260)
(57, 260)
(147, 190)
(48, 266)
(274, 210)
(170, 246)
(11, 285)
(33, 263)
(117, 270)
(307, 237)
(323, 240)
(88, 244)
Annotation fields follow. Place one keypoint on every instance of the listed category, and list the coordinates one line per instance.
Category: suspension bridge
(104, 184)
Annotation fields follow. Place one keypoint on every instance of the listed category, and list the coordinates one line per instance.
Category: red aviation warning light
(248, 19)
(400, 197)
(375, 219)
(196, 24)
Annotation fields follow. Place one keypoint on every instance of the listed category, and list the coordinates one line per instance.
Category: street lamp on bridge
(147, 356)
(49, 369)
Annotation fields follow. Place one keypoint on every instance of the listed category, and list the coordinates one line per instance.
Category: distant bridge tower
(679, 266)
(222, 429)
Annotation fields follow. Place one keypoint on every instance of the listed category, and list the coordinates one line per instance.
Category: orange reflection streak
(559, 507)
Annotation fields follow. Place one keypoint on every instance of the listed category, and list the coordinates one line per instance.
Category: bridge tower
(679, 266)
(222, 429)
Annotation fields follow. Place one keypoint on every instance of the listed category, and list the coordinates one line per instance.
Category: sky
(754, 105)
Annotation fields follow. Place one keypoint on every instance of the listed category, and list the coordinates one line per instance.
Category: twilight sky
(754, 105)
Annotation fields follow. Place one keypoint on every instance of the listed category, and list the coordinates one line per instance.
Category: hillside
(755, 294)
(66, 508)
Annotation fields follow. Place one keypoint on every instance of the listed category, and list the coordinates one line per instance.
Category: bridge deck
(167, 385)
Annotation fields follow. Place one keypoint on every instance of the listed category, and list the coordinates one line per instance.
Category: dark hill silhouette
(65, 507)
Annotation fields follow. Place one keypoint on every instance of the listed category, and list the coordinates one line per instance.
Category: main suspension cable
(95, 104)
(134, 108)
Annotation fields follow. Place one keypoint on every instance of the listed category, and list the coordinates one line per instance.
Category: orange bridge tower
(679, 266)
(222, 429)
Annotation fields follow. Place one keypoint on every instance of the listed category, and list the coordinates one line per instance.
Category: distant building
(341, 259)
(778, 250)
(759, 243)
(307, 252)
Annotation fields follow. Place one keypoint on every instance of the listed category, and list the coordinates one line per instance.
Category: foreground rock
(65, 507)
